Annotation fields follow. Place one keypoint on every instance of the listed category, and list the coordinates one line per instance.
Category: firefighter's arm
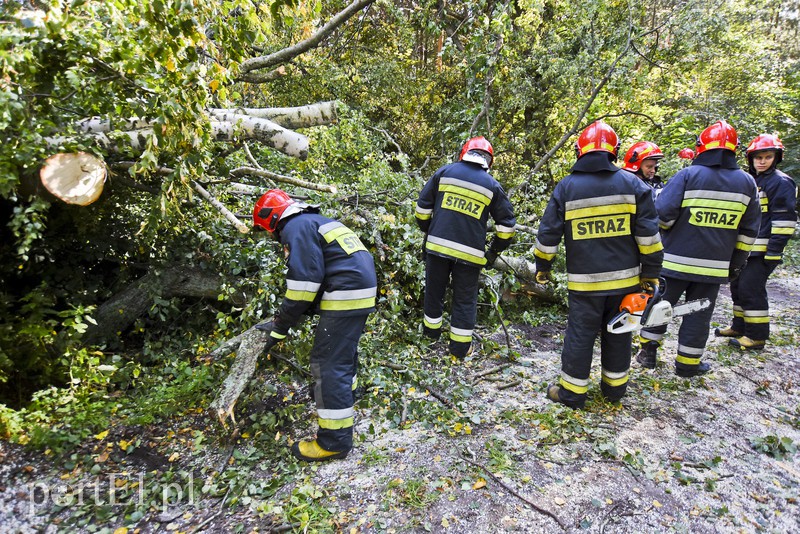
(505, 223)
(647, 237)
(551, 229)
(748, 230)
(426, 202)
(303, 279)
(784, 218)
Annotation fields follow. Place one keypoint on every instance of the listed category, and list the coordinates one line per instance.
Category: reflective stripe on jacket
(610, 230)
(778, 196)
(454, 207)
(329, 269)
(709, 217)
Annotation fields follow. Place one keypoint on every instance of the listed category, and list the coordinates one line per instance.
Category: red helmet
(269, 209)
(766, 142)
(638, 153)
(718, 135)
(598, 136)
(477, 143)
(686, 153)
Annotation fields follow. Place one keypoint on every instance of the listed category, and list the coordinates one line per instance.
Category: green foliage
(775, 446)
(520, 73)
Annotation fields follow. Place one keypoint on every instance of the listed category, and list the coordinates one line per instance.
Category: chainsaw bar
(685, 308)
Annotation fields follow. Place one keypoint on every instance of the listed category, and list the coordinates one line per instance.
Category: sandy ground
(677, 455)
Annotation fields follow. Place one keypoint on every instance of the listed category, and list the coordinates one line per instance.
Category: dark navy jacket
(454, 207)
(609, 225)
(778, 196)
(709, 213)
(330, 270)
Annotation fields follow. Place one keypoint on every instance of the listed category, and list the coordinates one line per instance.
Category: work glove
(490, 256)
(733, 273)
(649, 284)
(266, 326)
(543, 277)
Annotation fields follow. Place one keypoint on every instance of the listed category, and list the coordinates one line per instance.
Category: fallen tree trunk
(120, 312)
(318, 114)
(248, 346)
(525, 271)
(234, 128)
(75, 178)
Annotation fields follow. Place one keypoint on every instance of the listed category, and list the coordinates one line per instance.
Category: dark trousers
(588, 316)
(334, 361)
(438, 275)
(750, 300)
(693, 333)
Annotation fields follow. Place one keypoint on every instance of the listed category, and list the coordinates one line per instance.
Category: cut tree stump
(75, 178)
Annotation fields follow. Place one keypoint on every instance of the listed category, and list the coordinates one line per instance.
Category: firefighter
(453, 209)
(777, 192)
(642, 160)
(709, 215)
(610, 228)
(330, 272)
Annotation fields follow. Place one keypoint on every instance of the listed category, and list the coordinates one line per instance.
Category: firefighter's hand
(266, 326)
(543, 277)
(649, 284)
(490, 256)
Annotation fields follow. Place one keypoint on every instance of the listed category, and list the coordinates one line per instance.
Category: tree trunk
(318, 114)
(75, 178)
(250, 346)
(525, 271)
(118, 313)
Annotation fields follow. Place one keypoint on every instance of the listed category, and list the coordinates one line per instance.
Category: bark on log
(76, 178)
(318, 114)
(525, 271)
(251, 345)
(119, 312)
(234, 128)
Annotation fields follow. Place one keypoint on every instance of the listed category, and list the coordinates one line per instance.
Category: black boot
(701, 369)
(647, 356)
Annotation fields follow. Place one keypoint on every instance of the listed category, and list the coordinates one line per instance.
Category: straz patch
(714, 218)
(599, 227)
(350, 242)
(467, 206)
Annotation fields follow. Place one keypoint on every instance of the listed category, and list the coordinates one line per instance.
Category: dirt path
(678, 455)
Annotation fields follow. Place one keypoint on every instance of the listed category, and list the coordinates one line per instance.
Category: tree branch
(248, 67)
(252, 171)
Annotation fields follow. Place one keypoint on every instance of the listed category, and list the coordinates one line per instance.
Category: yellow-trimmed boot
(310, 451)
(745, 343)
(727, 332)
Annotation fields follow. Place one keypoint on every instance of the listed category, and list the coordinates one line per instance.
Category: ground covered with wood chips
(709, 454)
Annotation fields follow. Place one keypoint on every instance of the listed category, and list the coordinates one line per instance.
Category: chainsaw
(647, 308)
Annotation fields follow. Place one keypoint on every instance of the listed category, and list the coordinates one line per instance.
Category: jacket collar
(594, 162)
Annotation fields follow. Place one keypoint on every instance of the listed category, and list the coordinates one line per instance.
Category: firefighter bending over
(332, 273)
